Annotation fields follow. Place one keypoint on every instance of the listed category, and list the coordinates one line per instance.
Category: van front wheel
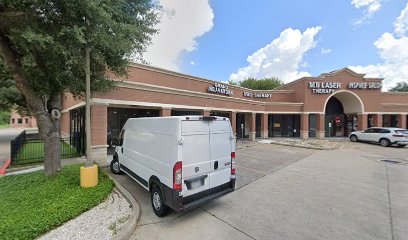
(158, 202)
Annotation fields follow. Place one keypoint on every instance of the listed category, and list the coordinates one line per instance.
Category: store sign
(324, 87)
(365, 85)
(331, 87)
(220, 88)
(257, 95)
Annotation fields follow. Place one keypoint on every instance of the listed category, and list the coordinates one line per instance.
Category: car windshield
(402, 131)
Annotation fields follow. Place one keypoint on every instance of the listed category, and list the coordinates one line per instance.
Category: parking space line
(251, 169)
(247, 155)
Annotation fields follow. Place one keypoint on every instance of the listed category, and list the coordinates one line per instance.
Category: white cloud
(401, 25)
(281, 58)
(182, 22)
(325, 51)
(192, 63)
(370, 7)
(393, 50)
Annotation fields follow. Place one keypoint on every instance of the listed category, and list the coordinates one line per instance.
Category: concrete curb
(129, 227)
(300, 146)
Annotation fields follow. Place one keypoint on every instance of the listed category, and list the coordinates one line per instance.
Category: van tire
(159, 208)
(115, 167)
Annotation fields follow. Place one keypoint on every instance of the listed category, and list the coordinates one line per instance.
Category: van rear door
(195, 156)
(220, 152)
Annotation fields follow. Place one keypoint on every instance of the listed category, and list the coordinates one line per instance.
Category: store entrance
(337, 123)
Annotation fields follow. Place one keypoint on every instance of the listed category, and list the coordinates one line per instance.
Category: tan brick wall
(65, 118)
(99, 124)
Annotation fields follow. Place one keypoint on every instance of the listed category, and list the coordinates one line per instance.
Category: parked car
(384, 136)
(183, 161)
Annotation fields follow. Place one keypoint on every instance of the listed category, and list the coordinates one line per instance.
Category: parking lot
(296, 193)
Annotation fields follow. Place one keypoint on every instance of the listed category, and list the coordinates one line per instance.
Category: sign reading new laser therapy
(324, 87)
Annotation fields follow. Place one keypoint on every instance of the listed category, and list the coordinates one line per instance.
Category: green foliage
(4, 117)
(9, 95)
(261, 84)
(50, 36)
(401, 87)
(33, 204)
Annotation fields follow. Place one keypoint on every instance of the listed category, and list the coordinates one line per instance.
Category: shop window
(26, 120)
(284, 125)
(13, 121)
(20, 121)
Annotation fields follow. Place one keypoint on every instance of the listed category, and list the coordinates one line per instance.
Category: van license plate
(196, 184)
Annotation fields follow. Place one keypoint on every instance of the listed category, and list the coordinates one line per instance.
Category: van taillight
(177, 175)
(232, 163)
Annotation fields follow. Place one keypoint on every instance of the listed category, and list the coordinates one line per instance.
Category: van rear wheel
(115, 166)
(159, 208)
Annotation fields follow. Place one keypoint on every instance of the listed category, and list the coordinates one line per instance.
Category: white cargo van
(183, 161)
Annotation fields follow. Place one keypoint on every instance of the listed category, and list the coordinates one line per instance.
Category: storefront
(330, 105)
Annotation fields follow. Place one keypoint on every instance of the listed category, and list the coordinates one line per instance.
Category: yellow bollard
(89, 176)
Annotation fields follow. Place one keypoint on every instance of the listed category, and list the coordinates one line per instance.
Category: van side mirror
(115, 142)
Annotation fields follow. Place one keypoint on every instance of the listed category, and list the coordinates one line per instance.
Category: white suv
(384, 136)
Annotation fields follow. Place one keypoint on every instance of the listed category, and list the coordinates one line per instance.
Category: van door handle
(215, 165)
(121, 149)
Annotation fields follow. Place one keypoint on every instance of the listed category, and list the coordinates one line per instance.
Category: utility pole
(89, 172)
(89, 161)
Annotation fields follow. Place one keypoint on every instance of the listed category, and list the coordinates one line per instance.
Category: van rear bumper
(177, 203)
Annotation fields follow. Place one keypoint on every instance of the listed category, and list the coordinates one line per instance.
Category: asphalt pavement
(294, 193)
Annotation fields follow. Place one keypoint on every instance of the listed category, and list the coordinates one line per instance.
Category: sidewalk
(38, 167)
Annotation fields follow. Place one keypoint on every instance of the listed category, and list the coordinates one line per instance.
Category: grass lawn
(33, 204)
(4, 125)
(33, 152)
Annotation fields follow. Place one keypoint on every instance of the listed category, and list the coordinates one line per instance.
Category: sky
(224, 40)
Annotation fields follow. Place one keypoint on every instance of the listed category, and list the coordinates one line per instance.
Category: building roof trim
(187, 76)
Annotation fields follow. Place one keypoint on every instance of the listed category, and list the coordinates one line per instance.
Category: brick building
(18, 121)
(330, 105)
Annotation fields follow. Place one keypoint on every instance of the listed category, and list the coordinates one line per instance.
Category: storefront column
(320, 120)
(402, 121)
(386, 120)
(233, 120)
(99, 126)
(206, 112)
(377, 120)
(362, 121)
(264, 125)
(165, 112)
(252, 126)
(304, 126)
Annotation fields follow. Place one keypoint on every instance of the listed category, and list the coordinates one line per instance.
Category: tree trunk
(48, 126)
(52, 153)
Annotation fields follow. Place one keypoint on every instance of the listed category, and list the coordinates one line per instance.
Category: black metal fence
(16, 144)
(24, 151)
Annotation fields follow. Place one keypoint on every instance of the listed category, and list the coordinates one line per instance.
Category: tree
(401, 87)
(261, 84)
(43, 42)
